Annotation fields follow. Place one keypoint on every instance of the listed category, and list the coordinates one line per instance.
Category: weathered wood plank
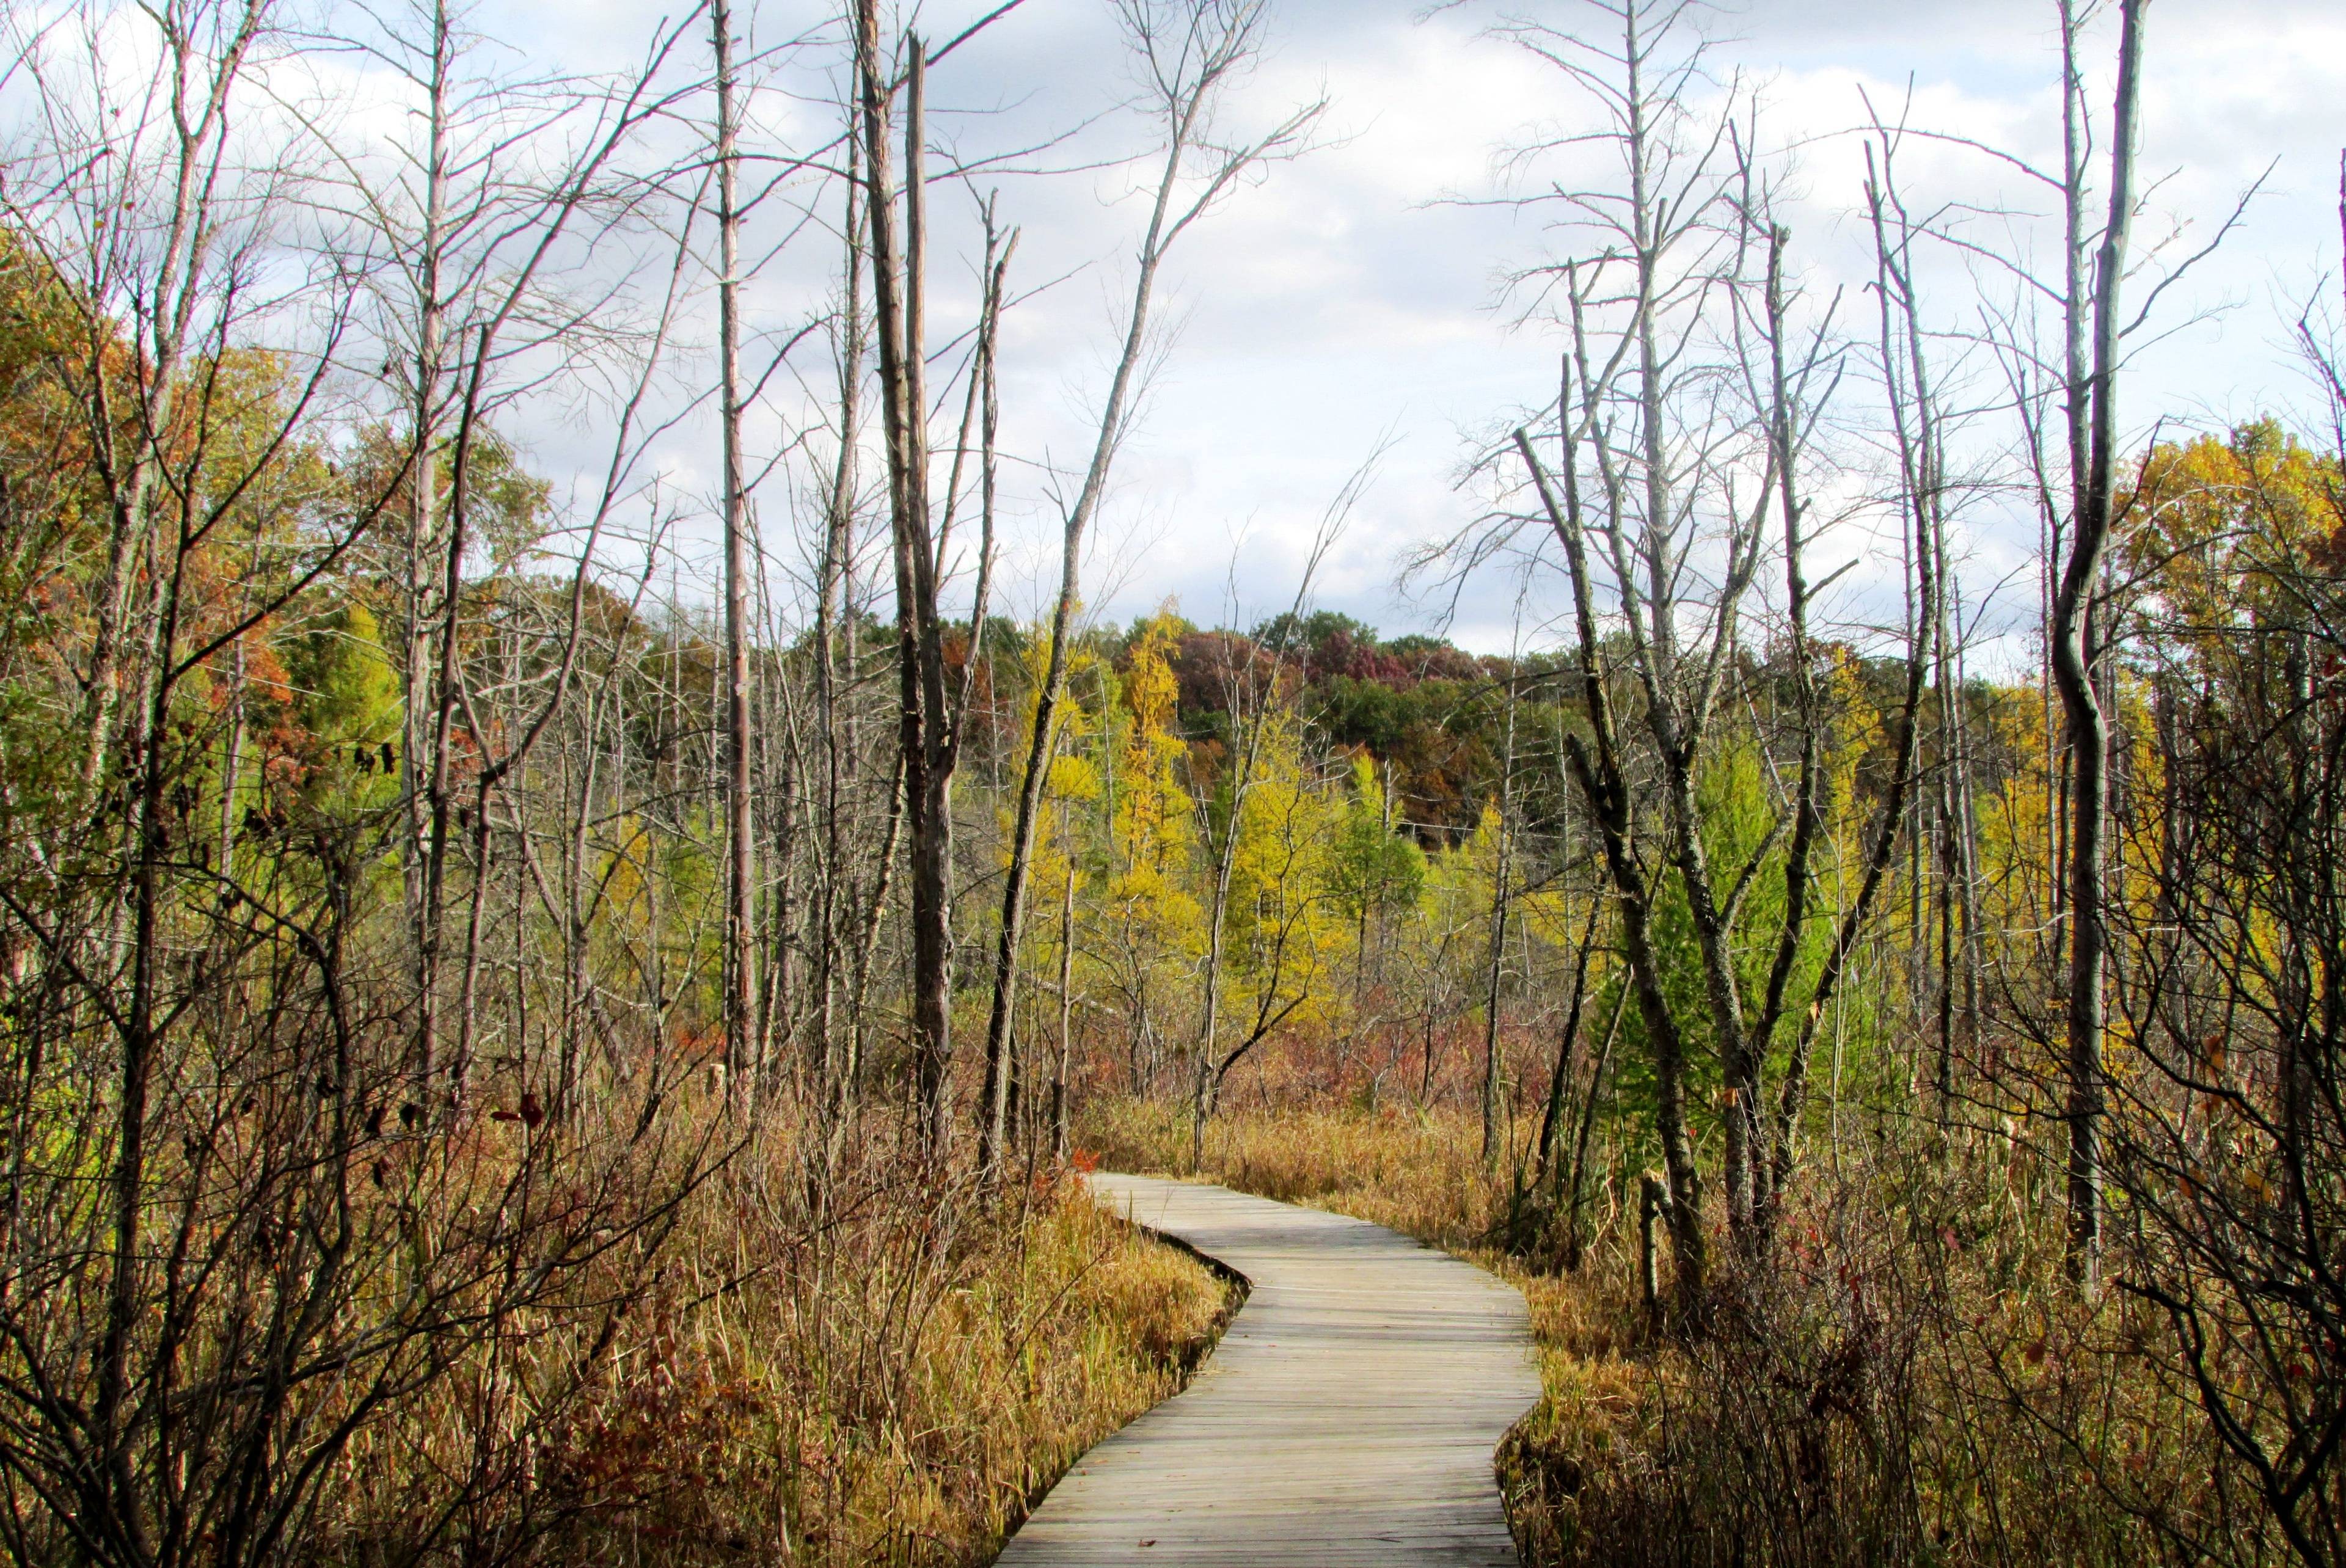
(1346, 1420)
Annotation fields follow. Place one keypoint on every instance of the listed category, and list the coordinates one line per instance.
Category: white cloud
(1339, 298)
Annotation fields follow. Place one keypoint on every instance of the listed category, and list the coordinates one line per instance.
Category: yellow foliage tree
(1281, 926)
(1152, 827)
(1147, 920)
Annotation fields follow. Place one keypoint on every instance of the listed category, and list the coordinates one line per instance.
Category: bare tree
(2091, 407)
(928, 743)
(1191, 55)
(740, 865)
(1674, 493)
(1502, 870)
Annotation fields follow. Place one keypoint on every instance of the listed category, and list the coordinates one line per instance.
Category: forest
(558, 1008)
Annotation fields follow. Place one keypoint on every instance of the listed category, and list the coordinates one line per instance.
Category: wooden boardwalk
(1348, 1418)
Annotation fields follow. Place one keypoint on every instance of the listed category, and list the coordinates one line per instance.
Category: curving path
(1348, 1418)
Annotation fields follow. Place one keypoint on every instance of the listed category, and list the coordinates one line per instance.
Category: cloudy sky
(1352, 298)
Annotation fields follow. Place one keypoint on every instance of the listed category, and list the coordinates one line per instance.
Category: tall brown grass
(869, 1369)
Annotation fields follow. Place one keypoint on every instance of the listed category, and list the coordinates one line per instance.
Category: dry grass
(855, 1364)
(894, 1378)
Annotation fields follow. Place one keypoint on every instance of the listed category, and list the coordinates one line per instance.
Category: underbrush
(1905, 1378)
(882, 1373)
(701, 1346)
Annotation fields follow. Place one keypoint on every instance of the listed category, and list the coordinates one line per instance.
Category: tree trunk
(1559, 1080)
(1603, 784)
(925, 740)
(1059, 1138)
(2075, 652)
(1492, 1068)
(740, 885)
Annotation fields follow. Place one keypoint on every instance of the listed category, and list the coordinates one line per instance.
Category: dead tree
(927, 744)
(740, 867)
(2092, 332)
(1502, 870)
(1190, 53)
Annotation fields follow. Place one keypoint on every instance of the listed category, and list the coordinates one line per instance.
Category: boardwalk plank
(1346, 1420)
